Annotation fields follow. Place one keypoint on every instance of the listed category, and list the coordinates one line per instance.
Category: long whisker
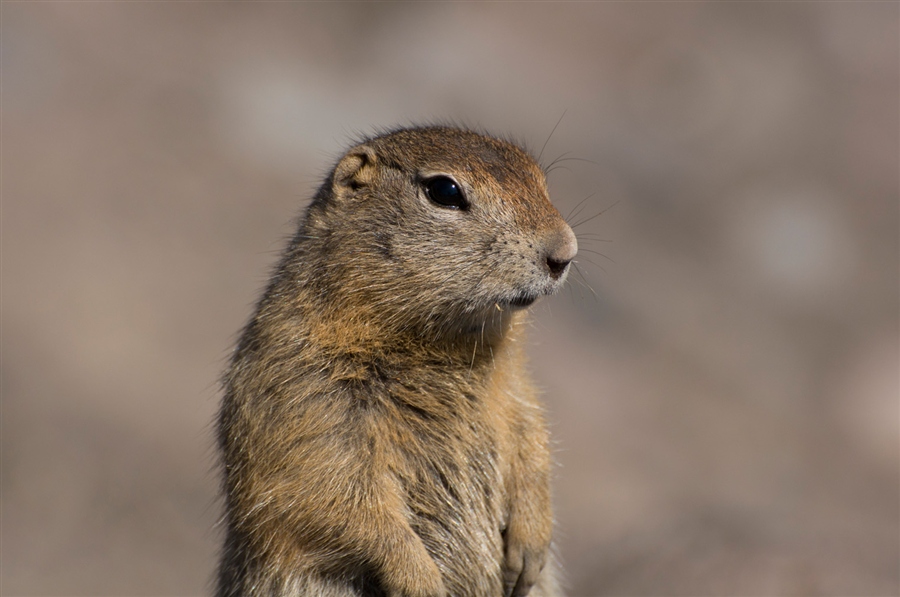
(597, 215)
(610, 259)
(584, 281)
(594, 238)
(595, 264)
(578, 208)
(550, 135)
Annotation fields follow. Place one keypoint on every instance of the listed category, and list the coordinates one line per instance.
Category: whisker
(562, 158)
(584, 280)
(597, 215)
(595, 264)
(610, 259)
(550, 135)
(578, 208)
(550, 170)
(557, 160)
(594, 238)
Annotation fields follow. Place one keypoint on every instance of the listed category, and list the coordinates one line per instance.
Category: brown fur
(379, 432)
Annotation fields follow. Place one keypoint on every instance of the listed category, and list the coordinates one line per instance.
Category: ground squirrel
(379, 432)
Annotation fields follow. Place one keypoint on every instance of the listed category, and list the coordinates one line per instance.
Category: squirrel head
(438, 230)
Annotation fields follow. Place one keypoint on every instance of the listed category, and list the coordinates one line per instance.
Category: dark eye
(444, 191)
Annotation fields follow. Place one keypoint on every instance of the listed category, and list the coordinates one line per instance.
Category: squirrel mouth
(522, 299)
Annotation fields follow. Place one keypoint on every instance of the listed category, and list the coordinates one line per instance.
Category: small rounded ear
(355, 170)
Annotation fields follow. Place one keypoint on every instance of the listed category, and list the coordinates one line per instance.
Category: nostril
(557, 267)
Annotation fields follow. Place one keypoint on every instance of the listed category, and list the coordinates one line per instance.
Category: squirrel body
(379, 432)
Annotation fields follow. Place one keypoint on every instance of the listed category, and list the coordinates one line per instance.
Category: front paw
(417, 579)
(522, 567)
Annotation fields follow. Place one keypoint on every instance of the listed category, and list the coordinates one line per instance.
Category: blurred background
(721, 372)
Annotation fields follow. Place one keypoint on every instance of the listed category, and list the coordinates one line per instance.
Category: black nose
(557, 267)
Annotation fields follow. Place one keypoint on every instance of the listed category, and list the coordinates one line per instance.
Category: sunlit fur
(379, 432)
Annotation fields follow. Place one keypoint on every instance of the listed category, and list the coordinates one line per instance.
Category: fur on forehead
(410, 148)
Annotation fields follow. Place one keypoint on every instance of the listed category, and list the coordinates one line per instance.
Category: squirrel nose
(561, 250)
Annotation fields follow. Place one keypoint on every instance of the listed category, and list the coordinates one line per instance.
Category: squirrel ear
(356, 169)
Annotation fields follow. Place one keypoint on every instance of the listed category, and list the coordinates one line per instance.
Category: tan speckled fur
(379, 432)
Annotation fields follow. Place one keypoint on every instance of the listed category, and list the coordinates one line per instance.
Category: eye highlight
(446, 192)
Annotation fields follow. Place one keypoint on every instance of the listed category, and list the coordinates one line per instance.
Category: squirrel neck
(355, 334)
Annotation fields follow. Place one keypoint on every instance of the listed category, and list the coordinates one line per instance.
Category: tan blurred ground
(725, 398)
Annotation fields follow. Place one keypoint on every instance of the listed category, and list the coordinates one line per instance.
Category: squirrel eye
(444, 191)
